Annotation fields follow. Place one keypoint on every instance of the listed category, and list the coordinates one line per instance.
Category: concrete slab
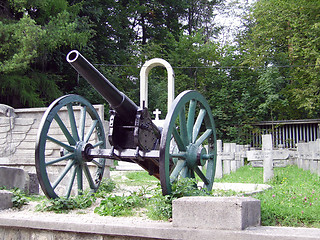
(5, 199)
(231, 213)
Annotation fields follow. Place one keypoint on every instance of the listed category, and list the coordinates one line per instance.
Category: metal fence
(286, 133)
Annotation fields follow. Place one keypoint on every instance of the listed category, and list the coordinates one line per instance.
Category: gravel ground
(80, 215)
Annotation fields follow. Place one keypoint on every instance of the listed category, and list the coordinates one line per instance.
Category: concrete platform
(38, 226)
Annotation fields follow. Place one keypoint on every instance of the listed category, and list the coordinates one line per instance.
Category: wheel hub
(81, 152)
(195, 155)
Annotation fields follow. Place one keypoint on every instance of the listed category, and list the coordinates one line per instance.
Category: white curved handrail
(144, 72)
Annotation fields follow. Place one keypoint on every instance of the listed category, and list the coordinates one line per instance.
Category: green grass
(294, 199)
(136, 178)
(246, 174)
(141, 177)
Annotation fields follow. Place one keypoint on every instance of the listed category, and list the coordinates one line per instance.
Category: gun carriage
(185, 146)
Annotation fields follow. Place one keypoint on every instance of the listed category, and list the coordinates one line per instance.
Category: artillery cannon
(185, 146)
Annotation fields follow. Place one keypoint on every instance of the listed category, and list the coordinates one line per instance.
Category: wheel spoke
(203, 137)
(79, 179)
(183, 126)
(197, 125)
(72, 122)
(201, 175)
(63, 174)
(82, 122)
(73, 176)
(65, 131)
(88, 176)
(175, 173)
(191, 116)
(178, 140)
(178, 155)
(67, 156)
(65, 146)
(97, 144)
(184, 172)
(97, 163)
(88, 135)
(191, 173)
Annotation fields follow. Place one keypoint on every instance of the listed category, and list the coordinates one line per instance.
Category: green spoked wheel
(188, 142)
(68, 129)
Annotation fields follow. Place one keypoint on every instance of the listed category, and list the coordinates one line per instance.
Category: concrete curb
(14, 227)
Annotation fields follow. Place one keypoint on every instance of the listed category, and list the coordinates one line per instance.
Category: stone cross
(266, 155)
(157, 114)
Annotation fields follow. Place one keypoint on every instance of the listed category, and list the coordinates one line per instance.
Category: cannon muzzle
(123, 106)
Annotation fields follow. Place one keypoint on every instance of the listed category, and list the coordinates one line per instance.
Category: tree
(272, 100)
(286, 34)
(32, 33)
(199, 16)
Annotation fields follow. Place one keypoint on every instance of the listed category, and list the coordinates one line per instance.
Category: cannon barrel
(118, 101)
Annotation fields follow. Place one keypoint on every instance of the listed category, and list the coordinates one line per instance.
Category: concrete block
(33, 183)
(5, 199)
(224, 213)
(14, 178)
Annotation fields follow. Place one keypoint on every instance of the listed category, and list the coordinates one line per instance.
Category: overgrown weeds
(64, 205)
(19, 198)
(294, 199)
(120, 205)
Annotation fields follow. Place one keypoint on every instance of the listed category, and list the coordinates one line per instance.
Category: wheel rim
(62, 167)
(188, 127)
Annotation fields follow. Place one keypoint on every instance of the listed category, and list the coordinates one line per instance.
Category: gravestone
(219, 172)
(308, 156)
(227, 157)
(268, 157)
(265, 157)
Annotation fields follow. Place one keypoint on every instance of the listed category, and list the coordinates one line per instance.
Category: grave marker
(268, 157)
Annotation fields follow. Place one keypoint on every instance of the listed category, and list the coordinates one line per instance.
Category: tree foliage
(30, 36)
(271, 73)
(286, 34)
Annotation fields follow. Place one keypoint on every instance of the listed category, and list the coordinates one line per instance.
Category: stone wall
(18, 131)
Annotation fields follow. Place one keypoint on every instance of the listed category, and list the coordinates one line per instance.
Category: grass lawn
(294, 199)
